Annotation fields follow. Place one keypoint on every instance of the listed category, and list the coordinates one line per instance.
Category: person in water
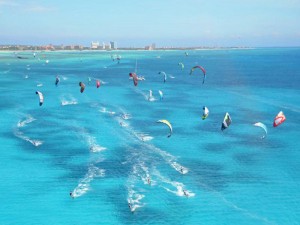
(130, 207)
(71, 194)
(185, 193)
(181, 169)
(149, 181)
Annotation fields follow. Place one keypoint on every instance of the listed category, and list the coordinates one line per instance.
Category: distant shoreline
(138, 49)
(125, 49)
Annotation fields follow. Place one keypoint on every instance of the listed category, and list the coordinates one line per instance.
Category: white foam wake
(104, 110)
(84, 184)
(134, 199)
(170, 159)
(151, 98)
(21, 135)
(69, 100)
(126, 116)
(64, 102)
(177, 188)
(28, 120)
(179, 168)
(144, 94)
(94, 147)
(64, 77)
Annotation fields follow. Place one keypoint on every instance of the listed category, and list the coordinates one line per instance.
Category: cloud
(25, 7)
(39, 8)
(8, 3)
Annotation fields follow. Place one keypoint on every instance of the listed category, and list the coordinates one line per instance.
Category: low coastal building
(95, 45)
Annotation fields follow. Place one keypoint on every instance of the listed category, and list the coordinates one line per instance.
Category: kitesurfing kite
(82, 86)
(168, 124)
(226, 122)
(279, 119)
(205, 113)
(201, 68)
(181, 65)
(41, 97)
(57, 80)
(164, 74)
(134, 78)
(263, 126)
(97, 83)
(161, 94)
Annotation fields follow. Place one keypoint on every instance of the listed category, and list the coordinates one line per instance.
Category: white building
(108, 46)
(95, 45)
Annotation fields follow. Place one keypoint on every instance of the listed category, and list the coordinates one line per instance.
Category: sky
(136, 23)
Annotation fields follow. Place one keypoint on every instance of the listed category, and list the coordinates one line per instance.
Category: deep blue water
(80, 142)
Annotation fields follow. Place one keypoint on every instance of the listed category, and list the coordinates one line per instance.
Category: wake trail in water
(237, 208)
(142, 138)
(178, 188)
(18, 133)
(84, 184)
(34, 142)
(142, 93)
(134, 197)
(104, 110)
(68, 100)
(64, 77)
(90, 140)
(28, 120)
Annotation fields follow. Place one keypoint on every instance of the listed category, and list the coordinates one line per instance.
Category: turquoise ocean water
(103, 144)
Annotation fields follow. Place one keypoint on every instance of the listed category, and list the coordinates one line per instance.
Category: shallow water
(105, 146)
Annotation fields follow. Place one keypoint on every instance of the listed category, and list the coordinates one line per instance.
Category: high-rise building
(113, 45)
(153, 46)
